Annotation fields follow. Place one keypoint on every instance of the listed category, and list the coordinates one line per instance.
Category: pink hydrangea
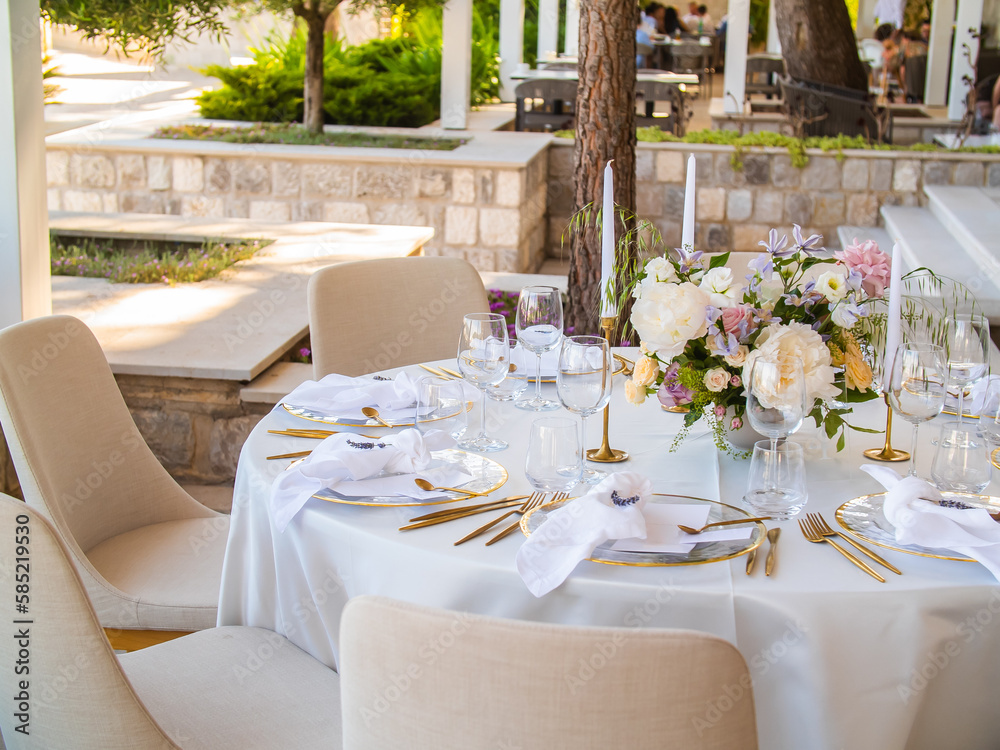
(873, 265)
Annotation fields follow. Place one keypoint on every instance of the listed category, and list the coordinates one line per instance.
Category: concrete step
(926, 242)
(972, 216)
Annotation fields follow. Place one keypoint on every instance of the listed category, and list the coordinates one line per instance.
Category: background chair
(227, 687)
(651, 92)
(464, 681)
(545, 104)
(150, 555)
(376, 314)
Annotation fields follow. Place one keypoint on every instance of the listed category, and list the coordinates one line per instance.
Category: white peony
(795, 341)
(717, 379)
(718, 282)
(670, 316)
(832, 285)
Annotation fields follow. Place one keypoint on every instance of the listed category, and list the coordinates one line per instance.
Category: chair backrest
(79, 456)
(72, 692)
(827, 110)
(376, 314)
(915, 77)
(422, 678)
(547, 89)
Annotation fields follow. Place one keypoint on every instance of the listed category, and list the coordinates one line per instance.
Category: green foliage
(166, 264)
(299, 136)
(759, 10)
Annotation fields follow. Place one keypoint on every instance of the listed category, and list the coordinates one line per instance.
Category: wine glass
(483, 356)
(539, 325)
(583, 382)
(776, 397)
(967, 351)
(916, 388)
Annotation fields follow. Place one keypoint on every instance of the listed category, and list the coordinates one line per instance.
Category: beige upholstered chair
(230, 687)
(375, 314)
(149, 554)
(428, 679)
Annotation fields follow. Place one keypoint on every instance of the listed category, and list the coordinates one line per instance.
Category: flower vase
(744, 438)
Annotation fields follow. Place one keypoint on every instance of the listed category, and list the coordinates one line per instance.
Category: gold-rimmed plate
(864, 518)
(487, 476)
(304, 412)
(700, 554)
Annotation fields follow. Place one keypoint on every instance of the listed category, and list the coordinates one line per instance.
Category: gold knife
(751, 559)
(772, 538)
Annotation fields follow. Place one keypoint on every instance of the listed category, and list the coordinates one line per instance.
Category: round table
(838, 659)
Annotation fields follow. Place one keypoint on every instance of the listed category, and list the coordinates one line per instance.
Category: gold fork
(824, 528)
(813, 535)
(531, 502)
(524, 511)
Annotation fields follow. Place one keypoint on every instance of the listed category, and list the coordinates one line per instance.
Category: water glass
(916, 389)
(515, 382)
(554, 462)
(442, 405)
(776, 397)
(777, 482)
(961, 463)
(583, 382)
(539, 326)
(989, 419)
(483, 359)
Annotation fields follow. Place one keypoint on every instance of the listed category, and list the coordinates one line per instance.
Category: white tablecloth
(838, 659)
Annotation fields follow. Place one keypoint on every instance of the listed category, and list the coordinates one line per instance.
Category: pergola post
(25, 282)
(939, 52)
(548, 28)
(456, 64)
(970, 16)
(737, 31)
(773, 40)
(865, 27)
(511, 44)
(571, 41)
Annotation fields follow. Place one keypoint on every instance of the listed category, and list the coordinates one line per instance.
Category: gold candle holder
(887, 452)
(606, 454)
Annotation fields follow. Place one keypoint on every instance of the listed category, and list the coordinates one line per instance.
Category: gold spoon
(425, 485)
(372, 412)
(689, 530)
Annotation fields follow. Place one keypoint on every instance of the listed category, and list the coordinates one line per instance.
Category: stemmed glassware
(583, 382)
(483, 359)
(967, 351)
(917, 385)
(539, 326)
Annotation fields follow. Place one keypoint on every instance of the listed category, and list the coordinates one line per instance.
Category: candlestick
(609, 303)
(606, 454)
(887, 452)
(687, 228)
(892, 320)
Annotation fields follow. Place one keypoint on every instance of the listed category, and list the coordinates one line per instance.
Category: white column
(970, 15)
(773, 41)
(548, 28)
(456, 64)
(939, 52)
(511, 44)
(572, 41)
(734, 88)
(865, 28)
(25, 284)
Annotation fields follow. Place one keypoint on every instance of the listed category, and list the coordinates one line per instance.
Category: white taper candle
(892, 322)
(687, 228)
(609, 304)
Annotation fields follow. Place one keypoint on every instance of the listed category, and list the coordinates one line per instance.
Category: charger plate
(487, 476)
(313, 415)
(863, 518)
(700, 554)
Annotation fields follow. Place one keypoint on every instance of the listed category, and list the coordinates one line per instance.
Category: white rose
(788, 343)
(661, 269)
(634, 393)
(716, 379)
(645, 372)
(737, 358)
(718, 282)
(832, 285)
(670, 317)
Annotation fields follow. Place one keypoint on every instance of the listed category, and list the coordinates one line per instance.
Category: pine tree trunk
(312, 104)
(818, 43)
(605, 130)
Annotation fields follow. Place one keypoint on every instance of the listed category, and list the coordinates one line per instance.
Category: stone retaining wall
(494, 216)
(736, 208)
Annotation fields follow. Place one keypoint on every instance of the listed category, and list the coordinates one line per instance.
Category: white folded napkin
(611, 510)
(911, 506)
(339, 395)
(975, 402)
(342, 462)
(550, 362)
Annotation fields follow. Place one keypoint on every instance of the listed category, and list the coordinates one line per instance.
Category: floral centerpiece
(701, 328)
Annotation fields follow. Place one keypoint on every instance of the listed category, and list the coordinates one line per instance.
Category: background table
(838, 659)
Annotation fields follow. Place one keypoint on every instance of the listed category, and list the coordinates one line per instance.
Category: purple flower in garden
(776, 246)
(303, 352)
(810, 244)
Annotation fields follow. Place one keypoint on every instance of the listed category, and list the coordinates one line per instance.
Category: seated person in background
(642, 42)
(646, 21)
(892, 53)
(672, 25)
(996, 104)
(655, 13)
(705, 23)
(690, 20)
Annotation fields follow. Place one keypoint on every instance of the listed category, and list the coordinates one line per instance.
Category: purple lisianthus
(672, 393)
